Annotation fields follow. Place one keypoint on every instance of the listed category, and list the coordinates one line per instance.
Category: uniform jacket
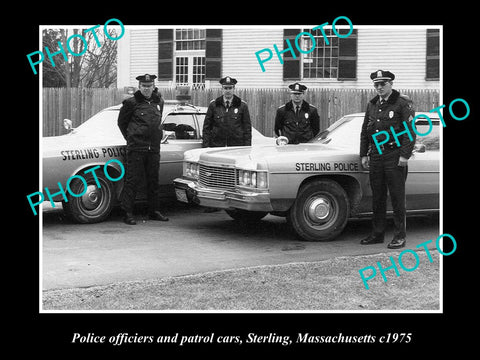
(397, 109)
(139, 121)
(227, 128)
(298, 129)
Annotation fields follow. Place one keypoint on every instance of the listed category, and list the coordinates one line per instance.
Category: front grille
(217, 177)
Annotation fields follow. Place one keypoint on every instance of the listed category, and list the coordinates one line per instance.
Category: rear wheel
(96, 202)
(320, 211)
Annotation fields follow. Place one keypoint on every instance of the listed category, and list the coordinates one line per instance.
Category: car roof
(427, 113)
(170, 105)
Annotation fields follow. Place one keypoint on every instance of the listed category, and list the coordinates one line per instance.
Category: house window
(336, 60)
(322, 62)
(433, 55)
(199, 70)
(189, 39)
(181, 70)
(190, 57)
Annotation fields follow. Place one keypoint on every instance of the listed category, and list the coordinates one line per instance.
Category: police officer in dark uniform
(139, 121)
(297, 119)
(227, 122)
(387, 167)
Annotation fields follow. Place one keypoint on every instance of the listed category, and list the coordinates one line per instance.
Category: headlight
(254, 179)
(262, 180)
(191, 169)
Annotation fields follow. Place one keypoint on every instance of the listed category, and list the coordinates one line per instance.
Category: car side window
(430, 140)
(180, 127)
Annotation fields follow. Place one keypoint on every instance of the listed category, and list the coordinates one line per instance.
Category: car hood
(263, 157)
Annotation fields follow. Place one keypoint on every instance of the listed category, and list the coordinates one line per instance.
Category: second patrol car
(317, 186)
(99, 140)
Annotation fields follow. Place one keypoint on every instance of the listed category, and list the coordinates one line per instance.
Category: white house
(200, 56)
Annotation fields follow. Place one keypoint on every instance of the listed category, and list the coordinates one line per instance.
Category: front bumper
(190, 191)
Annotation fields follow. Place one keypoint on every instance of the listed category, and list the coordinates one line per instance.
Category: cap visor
(382, 79)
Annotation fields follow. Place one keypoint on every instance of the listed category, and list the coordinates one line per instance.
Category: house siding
(138, 54)
(240, 62)
(400, 49)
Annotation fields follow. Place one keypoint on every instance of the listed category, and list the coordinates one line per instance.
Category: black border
(51, 334)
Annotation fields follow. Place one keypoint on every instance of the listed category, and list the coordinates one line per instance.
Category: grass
(333, 284)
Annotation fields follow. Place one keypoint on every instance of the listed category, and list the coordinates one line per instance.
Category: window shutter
(165, 54)
(213, 54)
(433, 55)
(347, 55)
(291, 65)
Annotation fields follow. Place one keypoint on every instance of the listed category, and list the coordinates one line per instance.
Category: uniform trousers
(141, 165)
(385, 174)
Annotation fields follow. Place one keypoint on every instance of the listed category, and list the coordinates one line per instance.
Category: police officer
(387, 170)
(227, 122)
(297, 119)
(139, 121)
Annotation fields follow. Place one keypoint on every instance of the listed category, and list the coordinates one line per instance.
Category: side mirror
(68, 124)
(419, 148)
(164, 138)
(281, 141)
(167, 135)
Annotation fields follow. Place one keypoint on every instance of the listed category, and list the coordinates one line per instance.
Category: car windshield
(345, 132)
(342, 133)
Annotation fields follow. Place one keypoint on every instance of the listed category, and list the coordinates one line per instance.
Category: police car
(99, 140)
(317, 185)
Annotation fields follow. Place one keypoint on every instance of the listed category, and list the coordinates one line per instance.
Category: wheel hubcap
(319, 209)
(92, 197)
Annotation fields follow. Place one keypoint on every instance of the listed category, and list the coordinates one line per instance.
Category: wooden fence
(79, 104)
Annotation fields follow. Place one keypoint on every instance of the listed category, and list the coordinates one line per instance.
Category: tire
(320, 212)
(95, 204)
(246, 216)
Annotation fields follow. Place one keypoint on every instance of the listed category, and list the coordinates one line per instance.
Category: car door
(182, 133)
(422, 187)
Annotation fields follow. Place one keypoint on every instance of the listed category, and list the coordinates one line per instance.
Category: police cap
(228, 80)
(382, 75)
(297, 88)
(146, 78)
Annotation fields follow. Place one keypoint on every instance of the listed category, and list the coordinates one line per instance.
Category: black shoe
(371, 239)
(157, 215)
(397, 243)
(129, 219)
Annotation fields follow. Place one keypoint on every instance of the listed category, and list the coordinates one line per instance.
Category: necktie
(297, 110)
(227, 104)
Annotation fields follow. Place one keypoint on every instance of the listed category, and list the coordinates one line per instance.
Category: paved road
(193, 241)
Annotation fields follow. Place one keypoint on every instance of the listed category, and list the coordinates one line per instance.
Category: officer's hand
(402, 161)
(365, 162)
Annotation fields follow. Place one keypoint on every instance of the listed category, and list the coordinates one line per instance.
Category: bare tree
(100, 70)
(87, 65)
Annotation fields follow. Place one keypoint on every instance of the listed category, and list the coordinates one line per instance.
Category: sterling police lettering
(336, 166)
(93, 153)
